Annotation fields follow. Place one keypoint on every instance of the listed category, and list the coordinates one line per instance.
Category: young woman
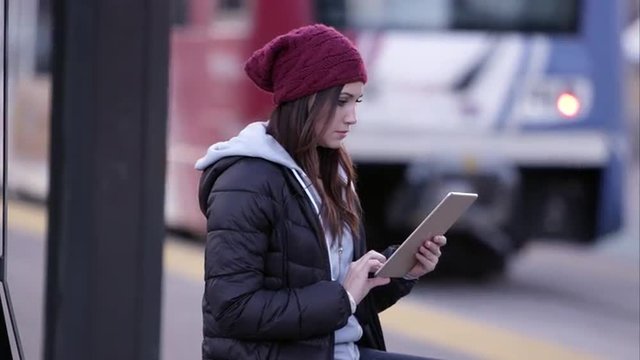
(286, 266)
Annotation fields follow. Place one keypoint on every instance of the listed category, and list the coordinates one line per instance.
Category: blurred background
(534, 105)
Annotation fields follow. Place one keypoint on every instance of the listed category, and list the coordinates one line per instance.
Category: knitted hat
(304, 61)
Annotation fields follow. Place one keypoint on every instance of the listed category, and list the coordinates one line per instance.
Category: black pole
(108, 131)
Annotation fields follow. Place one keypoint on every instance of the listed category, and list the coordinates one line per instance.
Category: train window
(231, 5)
(232, 16)
(548, 16)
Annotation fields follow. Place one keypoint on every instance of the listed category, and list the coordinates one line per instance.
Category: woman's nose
(351, 118)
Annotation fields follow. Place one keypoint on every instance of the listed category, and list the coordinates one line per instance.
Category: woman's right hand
(357, 281)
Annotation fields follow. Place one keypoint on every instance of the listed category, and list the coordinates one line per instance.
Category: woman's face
(345, 116)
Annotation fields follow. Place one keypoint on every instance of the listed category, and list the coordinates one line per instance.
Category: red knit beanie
(304, 61)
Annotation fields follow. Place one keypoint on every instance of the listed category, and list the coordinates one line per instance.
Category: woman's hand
(357, 281)
(427, 256)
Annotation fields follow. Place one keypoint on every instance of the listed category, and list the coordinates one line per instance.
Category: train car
(517, 100)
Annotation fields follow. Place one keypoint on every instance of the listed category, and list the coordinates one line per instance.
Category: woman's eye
(359, 100)
(342, 102)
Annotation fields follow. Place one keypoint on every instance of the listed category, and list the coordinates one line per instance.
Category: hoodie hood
(253, 141)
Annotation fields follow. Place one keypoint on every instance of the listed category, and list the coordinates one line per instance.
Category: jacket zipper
(323, 244)
(317, 224)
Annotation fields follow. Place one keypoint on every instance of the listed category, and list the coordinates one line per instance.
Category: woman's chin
(332, 145)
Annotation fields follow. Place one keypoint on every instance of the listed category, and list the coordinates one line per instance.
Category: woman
(286, 269)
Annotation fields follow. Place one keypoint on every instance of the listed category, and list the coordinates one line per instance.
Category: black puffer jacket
(268, 292)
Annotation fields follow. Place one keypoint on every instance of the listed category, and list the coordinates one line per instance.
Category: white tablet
(437, 222)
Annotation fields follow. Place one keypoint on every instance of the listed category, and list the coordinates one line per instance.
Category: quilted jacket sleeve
(240, 220)
(387, 295)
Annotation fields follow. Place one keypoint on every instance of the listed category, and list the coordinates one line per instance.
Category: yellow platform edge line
(416, 322)
(422, 323)
(178, 258)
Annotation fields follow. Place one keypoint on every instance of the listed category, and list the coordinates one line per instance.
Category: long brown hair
(297, 126)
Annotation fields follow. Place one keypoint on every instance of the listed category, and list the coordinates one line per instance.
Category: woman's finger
(440, 240)
(362, 263)
(371, 254)
(423, 260)
(372, 265)
(431, 249)
(434, 248)
(435, 251)
(427, 263)
(377, 281)
(424, 250)
(430, 255)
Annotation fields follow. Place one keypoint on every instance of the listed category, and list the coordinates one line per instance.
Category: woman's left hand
(427, 256)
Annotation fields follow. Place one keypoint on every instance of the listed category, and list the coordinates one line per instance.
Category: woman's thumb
(377, 281)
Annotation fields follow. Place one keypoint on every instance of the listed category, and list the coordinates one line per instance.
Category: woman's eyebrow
(349, 94)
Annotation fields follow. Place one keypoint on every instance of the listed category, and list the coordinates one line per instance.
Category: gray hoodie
(254, 141)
